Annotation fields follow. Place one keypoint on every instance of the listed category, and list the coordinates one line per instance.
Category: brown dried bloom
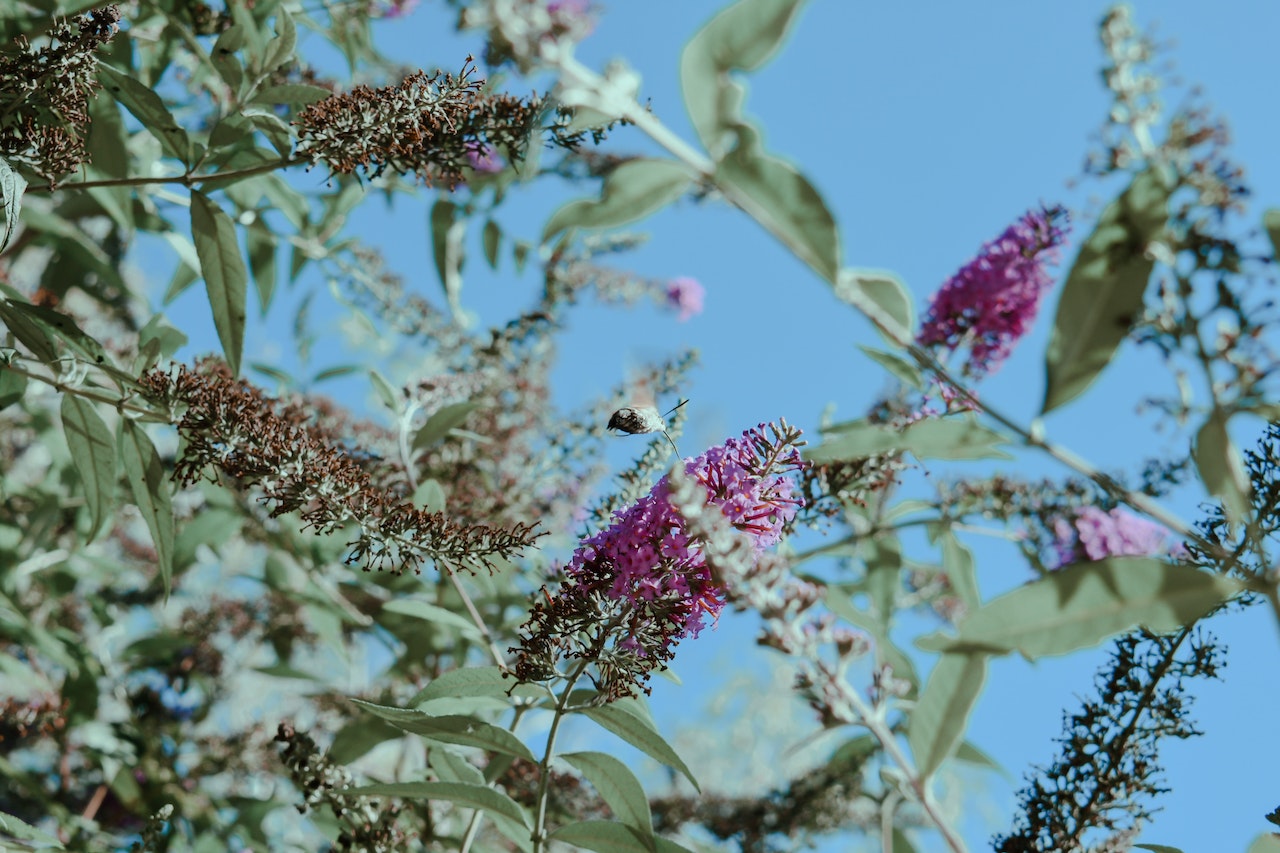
(232, 426)
(434, 126)
(44, 94)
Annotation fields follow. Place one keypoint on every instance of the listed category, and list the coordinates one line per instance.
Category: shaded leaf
(355, 739)
(619, 787)
(1104, 291)
(458, 729)
(470, 796)
(30, 333)
(631, 191)
(1221, 468)
(150, 486)
(148, 108)
(886, 291)
(1271, 222)
(1083, 604)
(430, 496)
(419, 609)
(62, 326)
(20, 830)
(957, 560)
(12, 387)
(903, 370)
(93, 455)
(491, 237)
(969, 753)
(261, 244)
(292, 93)
(949, 438)
(466, 681)
(12, 186)
(942, 711)
(606, 836)
(1163, 848)
(443, 214)
(225, 276)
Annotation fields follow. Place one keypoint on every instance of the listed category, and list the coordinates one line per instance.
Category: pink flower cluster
(686, 295)
(648, 547)
(991, 301)
(1094, 534)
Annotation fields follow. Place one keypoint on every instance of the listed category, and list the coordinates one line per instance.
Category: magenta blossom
(991, 301)
(483, 160)
(685, 294)
(641, 585)
(1093, 534)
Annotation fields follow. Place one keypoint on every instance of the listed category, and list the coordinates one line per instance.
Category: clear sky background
(928, 127)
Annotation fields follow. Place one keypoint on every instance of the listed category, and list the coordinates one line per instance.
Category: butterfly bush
(1095, 534)
(989, 304)
(685, 295)
(631, 592)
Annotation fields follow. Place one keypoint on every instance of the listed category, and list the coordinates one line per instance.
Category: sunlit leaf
(225, 277)
(150, 485)
(741, 37)
(1083, 604)
(93, 455)
(640, 733)
(619, 787)
(631, 191)
(949, 438)
(942, 711)
(469, 796)
(1103, 295)
(458, 729)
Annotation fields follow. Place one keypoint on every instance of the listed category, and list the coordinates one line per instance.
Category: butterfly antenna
(673, 444)
(676, 406)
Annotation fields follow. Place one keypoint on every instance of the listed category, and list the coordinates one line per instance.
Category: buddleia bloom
(989, 304)
(1095, 534)
(630, 593)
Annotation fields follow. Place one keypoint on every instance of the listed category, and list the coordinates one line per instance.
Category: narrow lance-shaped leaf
(225, 277)
(463, 794)
(887, 292)
(1083, 604)
(951, 438)
(1271, 221)
(619, 787)
(93, 454)
(457, 729)
(742, 37)
(942, 711)
(1221, 468)
(640, 733)
(12, 186)
(607, 836)
(148, 108)
(145, 473)
(1104, 290)
(631, 191)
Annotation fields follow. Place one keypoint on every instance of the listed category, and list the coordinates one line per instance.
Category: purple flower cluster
(990, 303)
(483, 160)
(1094, 534)
(634, 590)
(686, 295)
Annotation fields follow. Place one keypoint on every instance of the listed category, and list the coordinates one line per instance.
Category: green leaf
(967, 752)
(777, 196)
(942, 711)
(430, 496)
(1104, 290)
(355, 739)
(292, 93)
(632, 191)
(439, 424)
(887, 292)
(1265, 843)
(388, 395)
(619, 787)
(281, 48)
(20, 830)
(147, 107)
(464, 731)
(1083, 604)
(443, 214)
(465, 681)
(606, 836)
(12, 186)
(454, 768)
(418, 609)
(31, 334)
(957, 560)
(225, 277)
(491, 237)
(64, 327)
(1164, 848)
(145, 473)
(949, 438)
(638, 731)
(12, 387)
(905, 372)
(884, 568)
(743, 37)
(469, 796)
(1221, 468)
(261, 244)
(1271, 222)
(93, 454)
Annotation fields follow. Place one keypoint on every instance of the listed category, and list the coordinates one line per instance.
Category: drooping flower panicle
(686, 295)
(631, 592)
(989, 304)
(1095, 534)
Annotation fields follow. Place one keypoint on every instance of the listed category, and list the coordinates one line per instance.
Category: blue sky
(928, 127)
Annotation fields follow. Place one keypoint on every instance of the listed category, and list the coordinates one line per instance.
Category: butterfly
(640, 419)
